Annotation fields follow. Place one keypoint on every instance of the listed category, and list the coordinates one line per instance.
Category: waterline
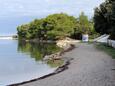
(6, 37)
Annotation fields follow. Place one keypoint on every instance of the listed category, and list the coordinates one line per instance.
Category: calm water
(21, 61)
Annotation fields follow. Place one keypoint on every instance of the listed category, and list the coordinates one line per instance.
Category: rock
(55, 56)
(66, 42)
(47, 57)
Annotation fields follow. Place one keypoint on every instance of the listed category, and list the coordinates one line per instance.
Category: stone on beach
(55, 56)
(66, 42)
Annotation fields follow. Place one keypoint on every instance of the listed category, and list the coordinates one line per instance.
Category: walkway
(90, 67)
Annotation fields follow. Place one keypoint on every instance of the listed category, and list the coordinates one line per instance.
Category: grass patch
(109, 50)
(89, 42)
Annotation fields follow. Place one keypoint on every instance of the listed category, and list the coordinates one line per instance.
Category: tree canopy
(54, 26)
(104, 18)
(84, 23)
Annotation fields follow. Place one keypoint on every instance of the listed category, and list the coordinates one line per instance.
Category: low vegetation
(107, 49)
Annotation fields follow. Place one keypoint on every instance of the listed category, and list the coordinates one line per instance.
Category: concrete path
(90, 67)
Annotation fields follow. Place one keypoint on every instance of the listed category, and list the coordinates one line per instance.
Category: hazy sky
(17, 12)
(37, 7)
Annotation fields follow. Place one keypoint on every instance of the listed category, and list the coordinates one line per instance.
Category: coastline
(89, 68)
(59, 69)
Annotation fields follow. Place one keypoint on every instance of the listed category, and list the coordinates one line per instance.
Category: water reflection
(39, 50)
(22, 61)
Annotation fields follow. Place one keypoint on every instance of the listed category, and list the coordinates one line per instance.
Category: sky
(22, 11)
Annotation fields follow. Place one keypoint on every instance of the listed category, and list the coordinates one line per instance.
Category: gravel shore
(89, 67)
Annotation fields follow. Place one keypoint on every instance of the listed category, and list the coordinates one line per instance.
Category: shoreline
(92, 67)
(58, 70)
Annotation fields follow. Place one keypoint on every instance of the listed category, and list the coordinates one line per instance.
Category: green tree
(83, 26)
(113, 22)
(104, 18)
(84, 23)
(52, 27)
(22, 30)
(62, 25)
(55, 26)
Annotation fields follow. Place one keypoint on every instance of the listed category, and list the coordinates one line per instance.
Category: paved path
(90, 67)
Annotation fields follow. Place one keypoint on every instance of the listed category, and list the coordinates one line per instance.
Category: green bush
(56, 26)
